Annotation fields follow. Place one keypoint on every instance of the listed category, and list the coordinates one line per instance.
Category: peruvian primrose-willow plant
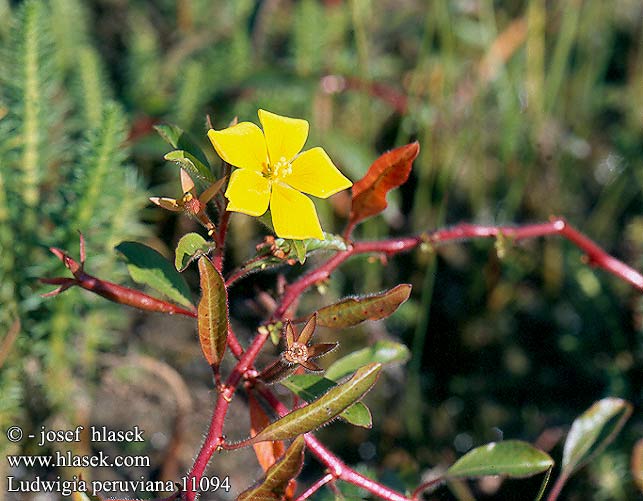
(265, 175)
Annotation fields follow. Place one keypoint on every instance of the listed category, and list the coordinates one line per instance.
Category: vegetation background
(523, 109)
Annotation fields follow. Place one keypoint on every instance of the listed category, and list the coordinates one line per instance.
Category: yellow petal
(285, 136)
(293, 214)
(248, 192)
(242, 145)
(313, 172)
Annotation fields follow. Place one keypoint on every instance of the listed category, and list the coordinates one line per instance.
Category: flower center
(297, 353)
(278, 170)
(190, 204)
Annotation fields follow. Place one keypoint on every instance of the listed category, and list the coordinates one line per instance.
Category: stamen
(297, 353)
(280, 169)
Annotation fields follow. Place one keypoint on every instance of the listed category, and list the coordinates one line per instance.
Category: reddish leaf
(389, 171)
(212, 313)
(354, 310)
(290, 490)
(278, 479)
(267, 452)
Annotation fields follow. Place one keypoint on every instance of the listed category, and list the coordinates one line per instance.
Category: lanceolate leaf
(323, 410)
(358, 415)
(593, 431)
(354, 310)
(179, 140)
(331, 242)
(212, 313)
(389, 171)
(191, 246)
(311, 386)
(384, 352)
(267, 452)
(190, 163)
(147, 266)
(277, 478)
(511, 458)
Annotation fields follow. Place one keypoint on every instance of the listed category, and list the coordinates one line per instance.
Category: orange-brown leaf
(267, 452)
(389, 171)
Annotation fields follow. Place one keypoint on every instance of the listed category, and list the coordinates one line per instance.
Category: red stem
(242, 271)
(214, 439)
(343, 472)
(425, 486)
(315, 487)
(119, 294)
(233, 344)
(222, 229)
(339, 470)
(348, 231)
(294, 290)
(557, 488)
(557, 226)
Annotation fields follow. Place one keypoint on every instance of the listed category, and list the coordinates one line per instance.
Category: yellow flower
(272, 173)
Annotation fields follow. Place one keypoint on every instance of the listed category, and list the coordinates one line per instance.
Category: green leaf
(190, 163)
(323, 410)
(358, 415)
(191, 247)
(273, 485)
(593, 431)
(331, 242)
(299, 247)
(171, 134)
(354, 310)
(384, 352)
(311, 386)
(179, 140)
(266, 220)
(511, 458)
(147, 266)
(212, 313)
(262, 264)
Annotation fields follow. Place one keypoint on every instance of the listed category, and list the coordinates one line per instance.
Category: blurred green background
(523, 110)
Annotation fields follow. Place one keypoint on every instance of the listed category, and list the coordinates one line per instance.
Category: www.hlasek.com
(67, 459)
(62, 459)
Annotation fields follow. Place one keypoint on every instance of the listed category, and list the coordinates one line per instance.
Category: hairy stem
(557, 226)
(315, 487)
(214, 439)
(338, 469)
